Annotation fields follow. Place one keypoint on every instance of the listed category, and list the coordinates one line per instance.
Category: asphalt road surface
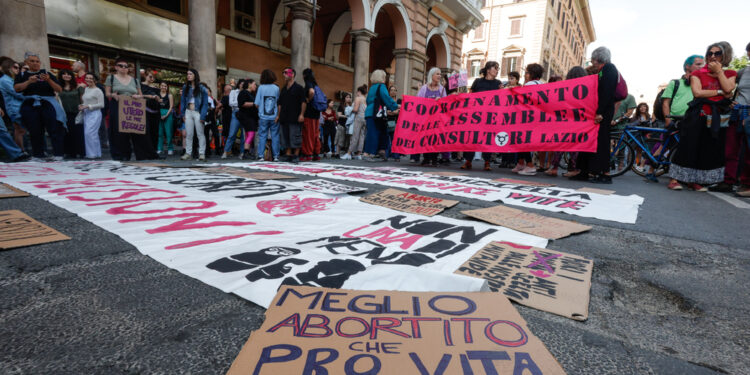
(669, 294)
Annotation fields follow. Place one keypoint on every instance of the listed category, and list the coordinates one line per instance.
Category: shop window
(246, 16)
(174, 6)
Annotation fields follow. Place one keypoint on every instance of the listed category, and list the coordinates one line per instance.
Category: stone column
(361, 39)
(302, 15)
(202, 40)
(409, 70)
(16, 35)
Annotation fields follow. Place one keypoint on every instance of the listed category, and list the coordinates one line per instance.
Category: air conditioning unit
(245, 24)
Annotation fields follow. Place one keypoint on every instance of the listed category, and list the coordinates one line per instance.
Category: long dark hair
(576, 72)
(308, 77)
(72, 81)
(196, 81)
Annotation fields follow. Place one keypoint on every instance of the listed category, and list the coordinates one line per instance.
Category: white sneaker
(528, 171)
(202, 157)
(276, 158)
(37, 160)
(186, 157)
(358, 157)
(346, 156)
(57, 158)
(170, 152)
(329, 154)
(225, 155)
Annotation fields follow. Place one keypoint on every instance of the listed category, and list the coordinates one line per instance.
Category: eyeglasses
(16, 67)
(717, 53)
(122, 65)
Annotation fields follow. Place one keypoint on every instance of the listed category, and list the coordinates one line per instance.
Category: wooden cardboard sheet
(544, 279)
(527, 222)
(7, 191)
(337, 331)
(409, 202)
(18, 229)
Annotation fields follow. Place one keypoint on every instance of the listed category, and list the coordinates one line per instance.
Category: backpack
(658, 108)
(319, 100)
(621, 90)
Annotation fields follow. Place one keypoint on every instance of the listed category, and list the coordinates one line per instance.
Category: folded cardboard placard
(409, 202)
(548, 280)
(328, 187)
(596, 191)
(7, 191)
(17, 229)
(522, 182)
(527, 222)
(337, 331)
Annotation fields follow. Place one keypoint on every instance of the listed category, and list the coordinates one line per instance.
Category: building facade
(341, 40)
(553, 33)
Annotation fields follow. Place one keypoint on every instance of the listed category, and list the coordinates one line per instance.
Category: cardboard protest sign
(131, 115)
(597, 191)
(409, 202)
(463, 78)
(522, 182)
(7, 191)
(328, 187)
(17, 229)
(555, 116)
(527, 222)
(548, 280)
(336, 331)
(453, 81)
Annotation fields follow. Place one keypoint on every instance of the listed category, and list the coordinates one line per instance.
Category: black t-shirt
(226, 111)
(163, 100)
(482, 84)
(310, 111)
(152, 104)
(342, 114)
(40, 88)
(244, 97)
(290, 101)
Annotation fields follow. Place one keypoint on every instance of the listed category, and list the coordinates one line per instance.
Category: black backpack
(658, 103)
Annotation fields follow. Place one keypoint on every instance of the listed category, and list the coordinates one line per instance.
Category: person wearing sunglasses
(40, 109)
(699, 161)
(119, 86)
(10, 69)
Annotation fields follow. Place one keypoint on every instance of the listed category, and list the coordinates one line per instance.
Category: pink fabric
(549, 117)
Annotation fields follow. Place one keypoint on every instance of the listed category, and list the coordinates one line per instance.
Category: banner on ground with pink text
(555, 116)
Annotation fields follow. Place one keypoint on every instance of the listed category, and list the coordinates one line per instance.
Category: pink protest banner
(555, 116)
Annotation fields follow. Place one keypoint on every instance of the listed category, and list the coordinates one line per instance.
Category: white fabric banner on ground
(623, 209)
(247, 236)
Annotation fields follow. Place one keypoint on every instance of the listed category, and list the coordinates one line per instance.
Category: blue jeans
(234, 127)
(264, 126)
(6, 141)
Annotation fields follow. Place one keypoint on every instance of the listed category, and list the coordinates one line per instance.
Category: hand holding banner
(556, 116)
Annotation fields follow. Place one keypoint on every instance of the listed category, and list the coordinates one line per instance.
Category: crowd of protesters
(286, 121)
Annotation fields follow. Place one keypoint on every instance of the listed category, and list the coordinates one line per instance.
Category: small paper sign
(7, 191)
(338, 331)
(18, 229)
(132, 115)
(409, 202)
(544, 279)
(527, 222)
(328, 187)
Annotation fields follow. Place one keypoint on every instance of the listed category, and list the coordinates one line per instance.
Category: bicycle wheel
(621, 157)
(664, 168)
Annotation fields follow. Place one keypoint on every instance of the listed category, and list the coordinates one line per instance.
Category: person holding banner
(121, 86)
(432, 90)
(525, 165)
(378, 101)
(194, 109)
(597, 164)
(486, 83)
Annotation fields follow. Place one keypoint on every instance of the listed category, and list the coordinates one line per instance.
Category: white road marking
(731, 200)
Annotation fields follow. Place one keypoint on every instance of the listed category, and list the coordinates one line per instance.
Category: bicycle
(658, 151)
